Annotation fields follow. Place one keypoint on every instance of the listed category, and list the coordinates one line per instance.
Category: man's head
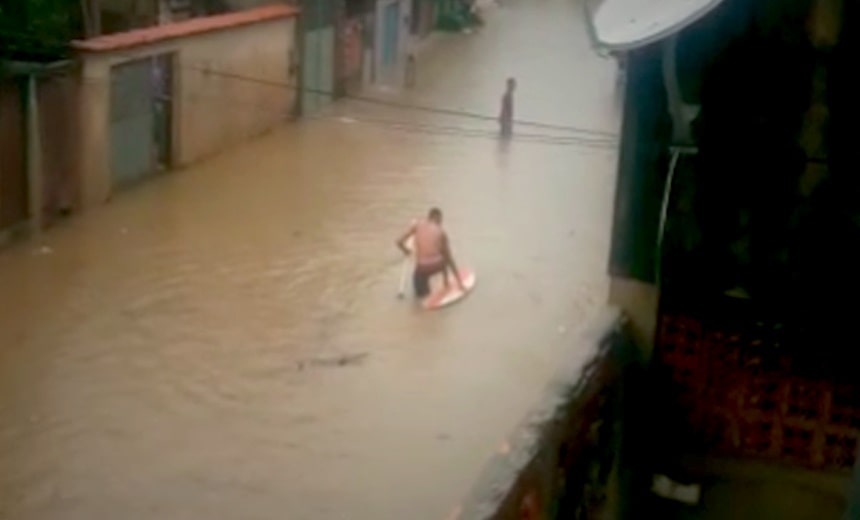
(512, 84)
(435, 215)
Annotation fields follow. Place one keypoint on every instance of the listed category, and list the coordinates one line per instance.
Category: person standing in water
(506, 117)
(432, 252)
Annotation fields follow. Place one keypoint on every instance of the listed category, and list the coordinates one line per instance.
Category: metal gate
(318, 60)
(163, 110)
(13, 173)
(318, 77)
(132, 122)
(391, 28)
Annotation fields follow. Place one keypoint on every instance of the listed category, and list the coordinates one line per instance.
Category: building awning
(621, 25)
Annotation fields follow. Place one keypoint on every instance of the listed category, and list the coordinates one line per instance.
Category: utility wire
(479, 132)
(364, 99)
(406, 106)
(228, 102)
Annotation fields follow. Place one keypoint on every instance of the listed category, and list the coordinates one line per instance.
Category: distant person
(410, 71)
(432, 252)
(506, 117)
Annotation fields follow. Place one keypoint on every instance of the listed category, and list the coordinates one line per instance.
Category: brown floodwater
(226, 342)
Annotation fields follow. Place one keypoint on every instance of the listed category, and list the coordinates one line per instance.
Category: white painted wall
(230, 85)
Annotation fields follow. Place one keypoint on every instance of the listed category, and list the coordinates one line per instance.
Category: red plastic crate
(798, 444)
(720, 431)
(840, 448)
(761, 394)
(845, 406)
(676, 329)
(805, 399)
(758, 438)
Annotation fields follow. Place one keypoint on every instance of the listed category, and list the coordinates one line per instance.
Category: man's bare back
(432, 253)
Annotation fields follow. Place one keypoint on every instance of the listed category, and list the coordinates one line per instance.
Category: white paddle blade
(404, 273)
(407, 262)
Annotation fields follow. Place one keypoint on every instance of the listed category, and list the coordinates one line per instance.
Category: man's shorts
(421, 278)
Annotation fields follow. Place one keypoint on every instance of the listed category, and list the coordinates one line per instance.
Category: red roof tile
(190, 27)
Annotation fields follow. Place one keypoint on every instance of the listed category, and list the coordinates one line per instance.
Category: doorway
(391, 28)
(141, 118)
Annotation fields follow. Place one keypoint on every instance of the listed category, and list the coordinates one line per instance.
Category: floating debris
(334, 361)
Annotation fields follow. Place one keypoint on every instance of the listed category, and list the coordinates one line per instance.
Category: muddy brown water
(225, 342)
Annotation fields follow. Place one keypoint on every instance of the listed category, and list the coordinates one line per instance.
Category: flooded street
(225, 342)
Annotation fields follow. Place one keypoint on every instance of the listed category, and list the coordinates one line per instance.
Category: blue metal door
(391, 26)
(318, 61)
(318, 77)
(132, 121)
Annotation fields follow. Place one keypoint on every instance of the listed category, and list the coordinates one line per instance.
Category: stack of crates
(742, 398)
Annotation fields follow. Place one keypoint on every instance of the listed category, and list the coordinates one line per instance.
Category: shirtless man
(432, 253)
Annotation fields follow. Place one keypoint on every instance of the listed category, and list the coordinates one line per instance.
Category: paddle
(404, 271)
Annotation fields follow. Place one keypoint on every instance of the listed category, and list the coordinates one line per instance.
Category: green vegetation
(38, 30)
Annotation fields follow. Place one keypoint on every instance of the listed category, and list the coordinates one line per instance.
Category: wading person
(506, 116)
(410, 71)
(432, 252)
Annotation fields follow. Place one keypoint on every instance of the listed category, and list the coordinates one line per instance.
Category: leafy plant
(38, 30)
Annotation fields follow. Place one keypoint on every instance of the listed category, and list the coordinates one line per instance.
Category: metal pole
(34, 157)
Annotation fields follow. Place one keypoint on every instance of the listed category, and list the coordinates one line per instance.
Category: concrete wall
(58, 96)
(561, 461)
(230, 84)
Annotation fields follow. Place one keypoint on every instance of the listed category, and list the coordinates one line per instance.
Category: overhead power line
(581, 135)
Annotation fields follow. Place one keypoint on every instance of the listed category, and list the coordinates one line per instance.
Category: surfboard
(444, 296)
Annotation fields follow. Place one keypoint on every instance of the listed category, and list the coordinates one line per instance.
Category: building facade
(167, 96)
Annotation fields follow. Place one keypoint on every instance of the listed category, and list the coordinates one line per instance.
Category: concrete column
(35, 179)
(93, 133)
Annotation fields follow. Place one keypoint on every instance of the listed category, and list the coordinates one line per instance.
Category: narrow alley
(225, 342)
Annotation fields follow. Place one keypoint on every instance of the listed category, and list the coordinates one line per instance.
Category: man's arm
(449, 259)
(401, 242)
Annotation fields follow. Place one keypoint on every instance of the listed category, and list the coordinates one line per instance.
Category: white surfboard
(444, 296)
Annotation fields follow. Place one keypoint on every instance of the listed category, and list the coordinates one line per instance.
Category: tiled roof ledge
(157, 33)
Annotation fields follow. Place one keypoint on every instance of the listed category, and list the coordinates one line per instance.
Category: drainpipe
(34, 157)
